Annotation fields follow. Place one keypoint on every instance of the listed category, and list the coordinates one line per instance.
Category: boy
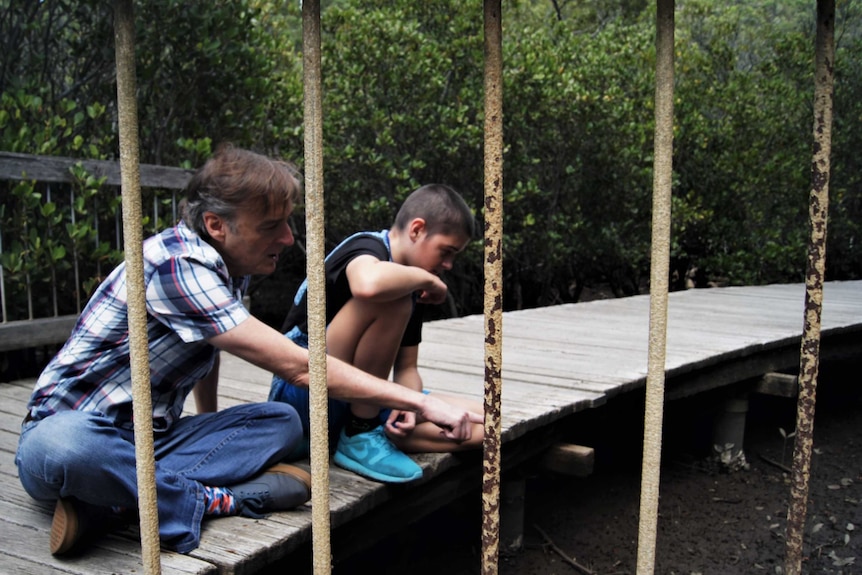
(377, 284)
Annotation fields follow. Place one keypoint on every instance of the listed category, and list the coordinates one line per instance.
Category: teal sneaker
(373, 455)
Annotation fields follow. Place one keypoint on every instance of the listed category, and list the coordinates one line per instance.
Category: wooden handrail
(14, 166)
(28, 333)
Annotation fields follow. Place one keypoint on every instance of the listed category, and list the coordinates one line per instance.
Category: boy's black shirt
(338, 287)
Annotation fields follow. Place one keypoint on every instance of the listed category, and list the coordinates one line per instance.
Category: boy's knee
(395, 311)
(358, 317)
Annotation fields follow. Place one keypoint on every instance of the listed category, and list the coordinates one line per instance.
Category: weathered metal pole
(314, 221)
(818, 208)
(127, 109)
(493, 271)
(659, 271)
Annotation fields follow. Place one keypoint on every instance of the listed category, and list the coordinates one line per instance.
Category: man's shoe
(373, 455)
(67, 527)
(280, 487)
(76, 524)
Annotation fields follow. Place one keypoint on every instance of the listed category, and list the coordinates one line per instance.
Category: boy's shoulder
(373, 243)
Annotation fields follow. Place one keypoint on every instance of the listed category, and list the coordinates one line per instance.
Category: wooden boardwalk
(558, 361)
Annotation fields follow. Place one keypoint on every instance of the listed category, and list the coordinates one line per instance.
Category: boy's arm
(381, 281)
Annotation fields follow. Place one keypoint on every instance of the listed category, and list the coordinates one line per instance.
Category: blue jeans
(83, 455)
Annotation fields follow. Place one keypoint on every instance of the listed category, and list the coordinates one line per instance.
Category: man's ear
(415, 228)
(215, 226)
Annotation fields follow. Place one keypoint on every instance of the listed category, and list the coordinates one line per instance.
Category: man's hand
(455, 422)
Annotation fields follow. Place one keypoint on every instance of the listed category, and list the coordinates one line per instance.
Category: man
(76, 444)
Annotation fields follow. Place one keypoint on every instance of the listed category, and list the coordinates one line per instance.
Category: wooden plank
(777, 384)
(56, 169)
(26, 333)
(24, 541)
(537, 372)
(13, 565)
(10, 423)
(557, 362)
(569, 459)
(243, 546)
(9, 441)
(526, 386)
(13, 398)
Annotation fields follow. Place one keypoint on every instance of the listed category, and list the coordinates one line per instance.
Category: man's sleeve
(193, 299)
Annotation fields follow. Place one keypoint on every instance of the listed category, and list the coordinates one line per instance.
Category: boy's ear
(215, 226)
(415, 228)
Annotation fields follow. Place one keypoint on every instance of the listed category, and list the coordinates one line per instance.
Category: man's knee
(65, 434)
(57, 447)
(280, 425)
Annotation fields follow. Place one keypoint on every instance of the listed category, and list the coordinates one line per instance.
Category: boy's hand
(401, 423)
(435, 294)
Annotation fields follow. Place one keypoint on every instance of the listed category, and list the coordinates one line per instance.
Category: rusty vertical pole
(809, 360)
(659, 271)
(493, 270)
(142, 405)
(314, 220)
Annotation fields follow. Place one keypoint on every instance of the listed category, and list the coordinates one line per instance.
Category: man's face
(253, 243)
(436, 253)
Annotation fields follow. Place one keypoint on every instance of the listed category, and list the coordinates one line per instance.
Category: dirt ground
(711, 522)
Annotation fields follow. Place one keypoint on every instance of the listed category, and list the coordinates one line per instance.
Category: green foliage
(401, 95)
(844, 249)
(578, 133)
(203, 76)
(742, 145)
(403, 105)
(201, 73)
(53, 255)
(29, 125)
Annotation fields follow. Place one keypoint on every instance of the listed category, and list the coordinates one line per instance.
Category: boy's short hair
(442, 208)
(234, 178)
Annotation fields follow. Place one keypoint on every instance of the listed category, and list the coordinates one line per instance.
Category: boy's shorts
(299, 398)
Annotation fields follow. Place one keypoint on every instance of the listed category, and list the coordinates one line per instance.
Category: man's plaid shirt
(189, 296)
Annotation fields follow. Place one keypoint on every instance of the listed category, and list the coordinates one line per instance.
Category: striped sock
(219, 501)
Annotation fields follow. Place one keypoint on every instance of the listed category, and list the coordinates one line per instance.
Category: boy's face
(253, 242)
(436, 253)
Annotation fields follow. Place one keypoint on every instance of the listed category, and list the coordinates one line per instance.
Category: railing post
(314, 217)
(124, 33)
(493, 302)
(659, 272)
(809, 360)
